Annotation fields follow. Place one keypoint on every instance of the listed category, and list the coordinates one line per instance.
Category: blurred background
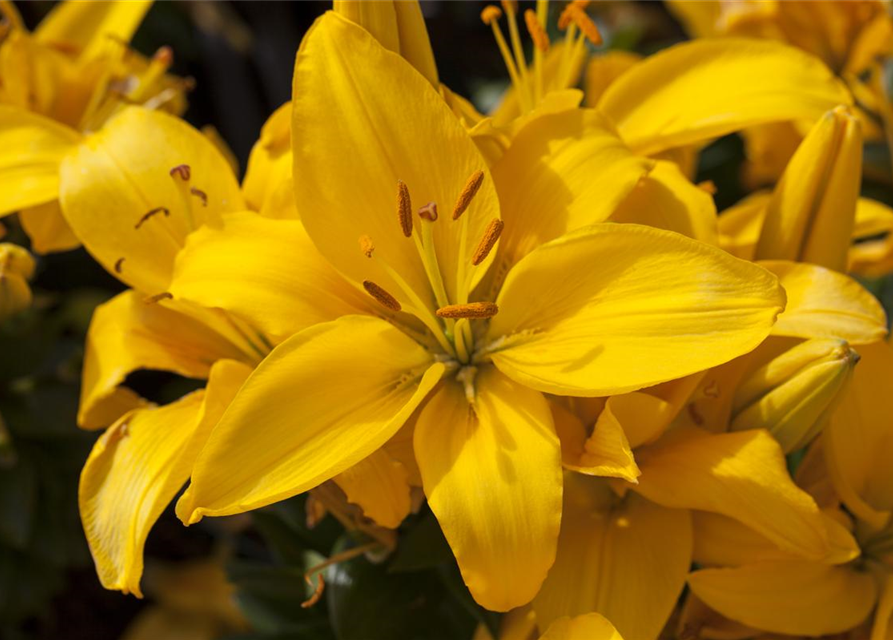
(240, 55)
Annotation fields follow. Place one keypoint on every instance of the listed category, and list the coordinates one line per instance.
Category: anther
(366, 246)
(158, 297)
(491, 235)
(709, 186)
(510, 6)
(475, 310)
(565, 19)
(119, 263)
(429, 212)
(201, 195)
(491, 14)
(585, 24)
(164, 56)
(404, 208)
(181, 171)
(537, 33)
(469, 191)
(383, 297)
(151, 213)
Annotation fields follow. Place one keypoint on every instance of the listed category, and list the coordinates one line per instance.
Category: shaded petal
(127, 334)
(591, 626)
(32, 149)
(492, 474)
(666, 199)
(116, 176)
(279, 283)
(825, 304)
(379, 485)
(321, 402)
(268, 187)
(605, 452)
(562, 172)
(704, 89)
(658, 306)
(858, 441)
(350, 93)
(626, 561)
(604, 69)
(742, 475)
(138, 466)
(794, 597)
(47, 229)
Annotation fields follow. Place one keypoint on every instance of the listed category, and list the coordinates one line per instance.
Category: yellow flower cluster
(619, 404)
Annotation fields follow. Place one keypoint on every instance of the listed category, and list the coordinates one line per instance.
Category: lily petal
(563, 172)
(279, 283)
(351, 93)
(655, 306)
(492, 474)
(591, 626)
(321, 402)
(118, 176)
(627, 562)
(794, 597)
(127, 334)
(741, 475)
(268, 187)
(704, 89)
(33, 147)
(47, 229)
(605, 453)
(825, 304)
(138, 466)
(666, 199)
(857, 440)
(379, 484)
(86, 27)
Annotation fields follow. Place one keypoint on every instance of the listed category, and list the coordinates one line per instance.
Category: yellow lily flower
(752, 582)
(484, 354)
(626, 545)
(64, 79)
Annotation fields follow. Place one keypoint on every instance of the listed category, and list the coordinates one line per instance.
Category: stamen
(118, 264)
(469, 191)
(537, 33)
(158, 297)
(367, 246)
(491, 235)
(466, 377)
(383, 297)
(565, 19)
(491, 14)
(511, 9)
(404, 208)
(164, 56)
(586, 25)
(182, 171)
(510, 6)
(151, 213)
(317, 591)
(429, 212)
(475, 310)
(201, 195)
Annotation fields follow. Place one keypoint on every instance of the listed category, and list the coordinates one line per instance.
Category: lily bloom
(470, 336)
(65, 79)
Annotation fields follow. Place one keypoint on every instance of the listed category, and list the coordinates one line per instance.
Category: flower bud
(793, 395)
(811, 214)
(16, 268)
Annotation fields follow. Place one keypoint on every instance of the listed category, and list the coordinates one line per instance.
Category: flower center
(449, 320)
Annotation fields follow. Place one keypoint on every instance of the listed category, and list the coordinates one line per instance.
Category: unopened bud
(811, 214)
(16, 268)
(794, 394)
